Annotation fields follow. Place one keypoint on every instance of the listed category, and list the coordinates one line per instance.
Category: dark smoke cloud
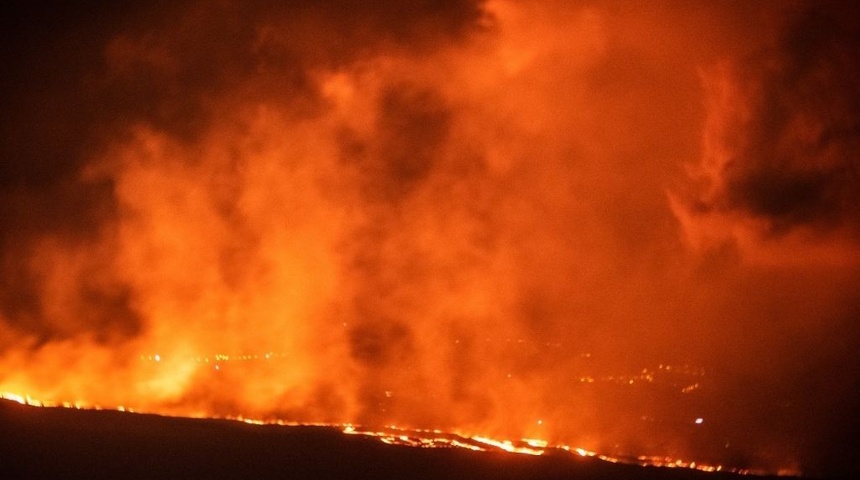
(790, 143)
(779, 200)
(48, 53)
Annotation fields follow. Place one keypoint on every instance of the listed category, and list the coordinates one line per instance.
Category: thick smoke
(439, 214)
(784, 131)
(775, 209)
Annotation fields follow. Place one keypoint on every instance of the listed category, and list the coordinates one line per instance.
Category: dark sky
(389, 192)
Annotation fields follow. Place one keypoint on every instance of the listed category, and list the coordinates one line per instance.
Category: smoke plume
(439, 214)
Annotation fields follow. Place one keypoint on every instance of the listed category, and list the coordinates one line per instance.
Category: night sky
(439, 213)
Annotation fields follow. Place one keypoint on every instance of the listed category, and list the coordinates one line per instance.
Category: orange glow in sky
(503, 218)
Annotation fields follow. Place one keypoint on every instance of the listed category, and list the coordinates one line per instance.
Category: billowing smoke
(441, 214)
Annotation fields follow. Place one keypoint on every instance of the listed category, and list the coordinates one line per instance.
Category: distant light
(540, 422)
(699, 421)
(157, 357)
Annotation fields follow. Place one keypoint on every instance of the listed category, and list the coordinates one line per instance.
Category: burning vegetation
(623, 229)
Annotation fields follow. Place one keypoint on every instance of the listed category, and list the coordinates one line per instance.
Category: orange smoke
(496, 218)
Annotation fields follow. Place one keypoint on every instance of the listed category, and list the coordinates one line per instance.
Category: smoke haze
(438, 213)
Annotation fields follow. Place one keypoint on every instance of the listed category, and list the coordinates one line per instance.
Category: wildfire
(28, 400)
(681, 379)
(624, 233)
(425, 438)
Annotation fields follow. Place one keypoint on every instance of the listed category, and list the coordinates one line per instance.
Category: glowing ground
(57, 442)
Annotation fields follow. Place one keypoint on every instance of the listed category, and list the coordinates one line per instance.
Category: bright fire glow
(420, 438)
(531, 223)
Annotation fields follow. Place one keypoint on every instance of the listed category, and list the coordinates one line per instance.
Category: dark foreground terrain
(68, 443)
